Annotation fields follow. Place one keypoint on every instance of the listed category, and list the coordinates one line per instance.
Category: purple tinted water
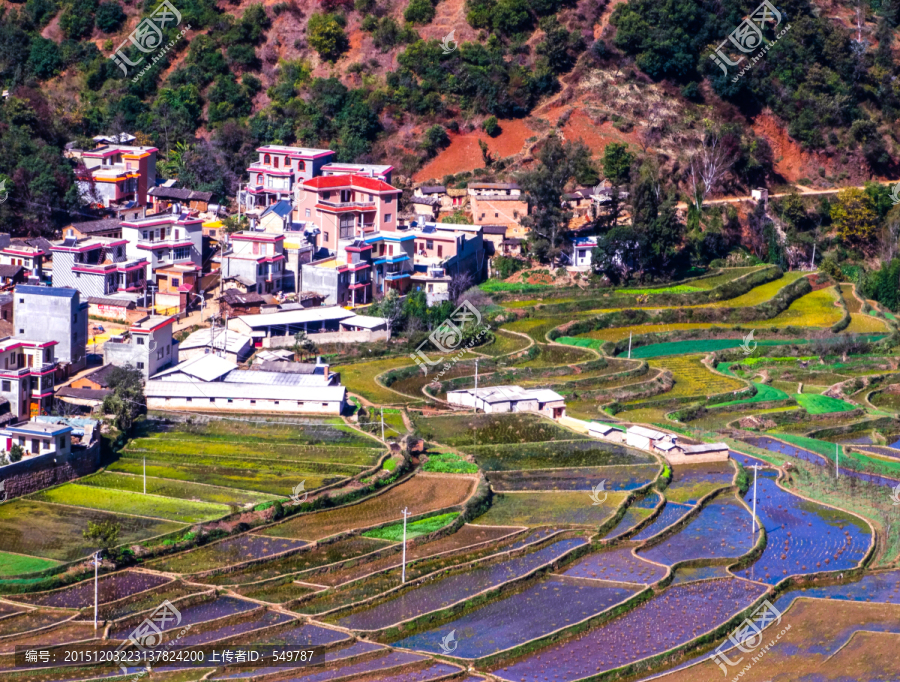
(199, 613)
(633, 517)
(721, 529)
(687, 575)
(675, 616)
(773, 445)
(546, 606)
(580, 478)
(367, 667)
(265, 619)
(803, 537)
(438, 594)
(110, 588)
(619, 565)
(874, 587)
(669, 515)
(432, 672)
(347, 652)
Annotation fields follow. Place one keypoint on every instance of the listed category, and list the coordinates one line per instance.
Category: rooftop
(355, 181)
(62, 292)
(180, 193)
(645, 432)
(40, 429)
(206, 368)
(305, 315)
(502, 394)
(203, 338)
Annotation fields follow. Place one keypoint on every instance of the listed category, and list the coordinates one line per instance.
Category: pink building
(346, 207)
(278, 170)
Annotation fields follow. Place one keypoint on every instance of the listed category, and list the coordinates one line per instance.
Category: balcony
(361, 205)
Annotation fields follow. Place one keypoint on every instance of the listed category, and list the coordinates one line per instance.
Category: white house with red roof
(277, 171)
(149, 347)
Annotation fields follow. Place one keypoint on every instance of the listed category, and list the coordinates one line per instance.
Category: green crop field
(17, 564)
(822, 404)
(537, 327)
(174, 488)
(550, 509)
(484, 429)
(124, 502)
(764, 393)
(762, 293)
(53, 531)
(259, 450)
(553, 356)
(449, 463)
(504, 344)
(359, 378)
(414, 529)
(264, 477)
(692, 378)
(555, 455)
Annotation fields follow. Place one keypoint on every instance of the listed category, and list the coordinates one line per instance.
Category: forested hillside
(388, 82)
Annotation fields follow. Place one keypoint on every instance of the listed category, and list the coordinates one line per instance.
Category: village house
(277, 172)
(257, 260)
(38, 438)
(379, 172)
(149, 348)
(208, 382)
(56, 314)
(496, 399)
(27, 375)
(327, 324)
(176, 199)
(219, 341)
(118, 175)
(110, 228)
(643, 438)
(498, 203)
(606, 432)
(98, 267)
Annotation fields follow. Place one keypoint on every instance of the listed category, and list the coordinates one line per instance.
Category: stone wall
(36, 473)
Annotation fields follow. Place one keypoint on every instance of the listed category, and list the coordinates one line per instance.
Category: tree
(109, 17)
(326, 36)
(854, 219)
(16, 452)
(436, 138)
(617, 161)
(491, 127)
(390, 308)
(548, 218)
(105, 533)
(709, 163)
(419, 12)
(127, 400)
(304, 346)
(45, 58)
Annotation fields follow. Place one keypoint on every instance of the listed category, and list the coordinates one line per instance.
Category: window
(144, 234)
(346, 196)
(230, 400)
(440, 250)
(182, 253)
(188, 400)
(387, 217)
(391, 250)
(276, 402)
(324, 404)
(159, 354)
(346, 227)
(77, 275)
(140, 365)
(139, 340)
(253, 402)
(482, 216)
(496, 215)
(308, 213)
(326, 236)
(167, 349)
(21, 300)
(7, 387)
(212, 400)
(267, 159)
(299, 403)
(276, 166)
(301, 166)
(430, 288)
(515, 214)
(21, 331)
(259, 179)
(429, 244)
(175, 281)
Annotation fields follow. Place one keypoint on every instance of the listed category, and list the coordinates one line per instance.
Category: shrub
(504, 266)
(436, 138)
(15, 453)
(491, 127)
(45, 58)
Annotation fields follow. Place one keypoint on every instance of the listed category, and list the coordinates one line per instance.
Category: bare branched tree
(709, 163)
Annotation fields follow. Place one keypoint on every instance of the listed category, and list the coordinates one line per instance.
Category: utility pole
(145, 474)
(405, 513)
(837, 457)
(382, 424)
(755, 468)
(96, 591)
(629, 345)
(812, 262)
(475, 402)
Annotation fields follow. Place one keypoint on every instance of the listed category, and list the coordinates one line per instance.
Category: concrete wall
(43, 317)
(37, 473)
(322, 281)
(246, 405)
(680, 458)
(131, 353)
(329, 337)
